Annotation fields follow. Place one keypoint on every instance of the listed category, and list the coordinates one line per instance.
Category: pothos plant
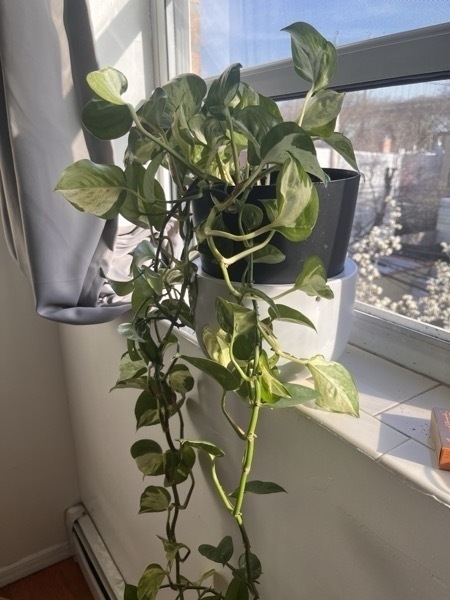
(226, 137)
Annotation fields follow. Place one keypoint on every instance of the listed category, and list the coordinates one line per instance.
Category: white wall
(348, 528)
(38, 479)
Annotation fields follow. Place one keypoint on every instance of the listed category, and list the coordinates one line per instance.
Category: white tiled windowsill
(395, 411)
(393, 427)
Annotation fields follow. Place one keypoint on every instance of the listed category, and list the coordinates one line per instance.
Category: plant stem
(304, 107)
(248, 460)
(220, 490)
(237, 168)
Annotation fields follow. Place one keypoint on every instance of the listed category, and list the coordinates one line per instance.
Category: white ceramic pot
(332, 318)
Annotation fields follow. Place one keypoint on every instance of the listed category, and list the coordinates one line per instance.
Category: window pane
(249, 31)
(401, 233)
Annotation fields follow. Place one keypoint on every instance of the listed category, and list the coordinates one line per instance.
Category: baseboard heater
(92, 555)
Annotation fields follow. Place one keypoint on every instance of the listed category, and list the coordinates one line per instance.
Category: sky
(248, 31)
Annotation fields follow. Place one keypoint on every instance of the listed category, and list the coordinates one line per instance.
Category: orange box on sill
(440, 434)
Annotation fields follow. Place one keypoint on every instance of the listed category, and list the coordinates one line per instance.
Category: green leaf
(216, 346)
(93, 188)
(143, 296)
(130, 370)
(220, 554)
(343, 146)
(254, 122)
(271, 387)
(335, 385)
(235, 318)
(288, 139)
(322, 112)
(260, 487)
(109, 84)
(150, 582)
(224, 88)
(315, 59)
(215, 370)
(128, 330)
(305, 222)
(291, 315)
(120, 288)
(132, 207)
(252, 216)
(208, 447)
(178, 465)
(254, 564)
(143, 252)
(154, 499)
(206, 576)
(313, 279)
(250, 293)
(237, 590)
(270, 255)
(154, 280)
(187, 89)
(172, 549)
(294, 189)
(299, 394)
(148, 408)
(149, 457)
(105, 120)
(130, 592)
(180, 379)
(152, 110)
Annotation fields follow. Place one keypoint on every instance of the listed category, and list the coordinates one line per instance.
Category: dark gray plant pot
(329, 239)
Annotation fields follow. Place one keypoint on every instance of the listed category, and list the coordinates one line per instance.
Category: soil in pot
(329, 238)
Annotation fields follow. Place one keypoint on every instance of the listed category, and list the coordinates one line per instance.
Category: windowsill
(395, 405)
(393, 427)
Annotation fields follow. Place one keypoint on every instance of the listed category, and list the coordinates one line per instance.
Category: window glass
(401, 232)
(250, 32)
(401, 134)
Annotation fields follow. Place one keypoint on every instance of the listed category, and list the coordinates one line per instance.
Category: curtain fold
(46, 50)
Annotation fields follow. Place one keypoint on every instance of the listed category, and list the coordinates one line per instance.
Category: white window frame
(407, 57)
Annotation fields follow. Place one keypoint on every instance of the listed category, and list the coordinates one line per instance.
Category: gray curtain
(46, 50)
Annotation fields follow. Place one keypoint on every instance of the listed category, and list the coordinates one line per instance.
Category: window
(250, 32)
(397, 113)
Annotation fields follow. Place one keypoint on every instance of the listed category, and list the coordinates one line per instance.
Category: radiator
(92, 555)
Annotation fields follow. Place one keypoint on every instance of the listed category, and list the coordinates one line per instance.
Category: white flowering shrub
(381, 241)
(435, 307)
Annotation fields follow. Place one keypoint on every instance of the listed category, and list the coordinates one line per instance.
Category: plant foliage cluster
(227, 137)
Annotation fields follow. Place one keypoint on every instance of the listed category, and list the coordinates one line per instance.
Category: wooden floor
(63, 581)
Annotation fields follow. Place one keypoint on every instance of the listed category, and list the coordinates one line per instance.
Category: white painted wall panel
(38, 478)
(348, 528)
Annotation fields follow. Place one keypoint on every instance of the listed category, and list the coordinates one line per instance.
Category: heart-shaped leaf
(149, 457)
(109, 84)
(237, 590)
(154, 499)
(335, 385)
(105, 120)
(314, 58)
(313, 279)
(92, 187)
(221, 553)
(224, 378)
(150, 582)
